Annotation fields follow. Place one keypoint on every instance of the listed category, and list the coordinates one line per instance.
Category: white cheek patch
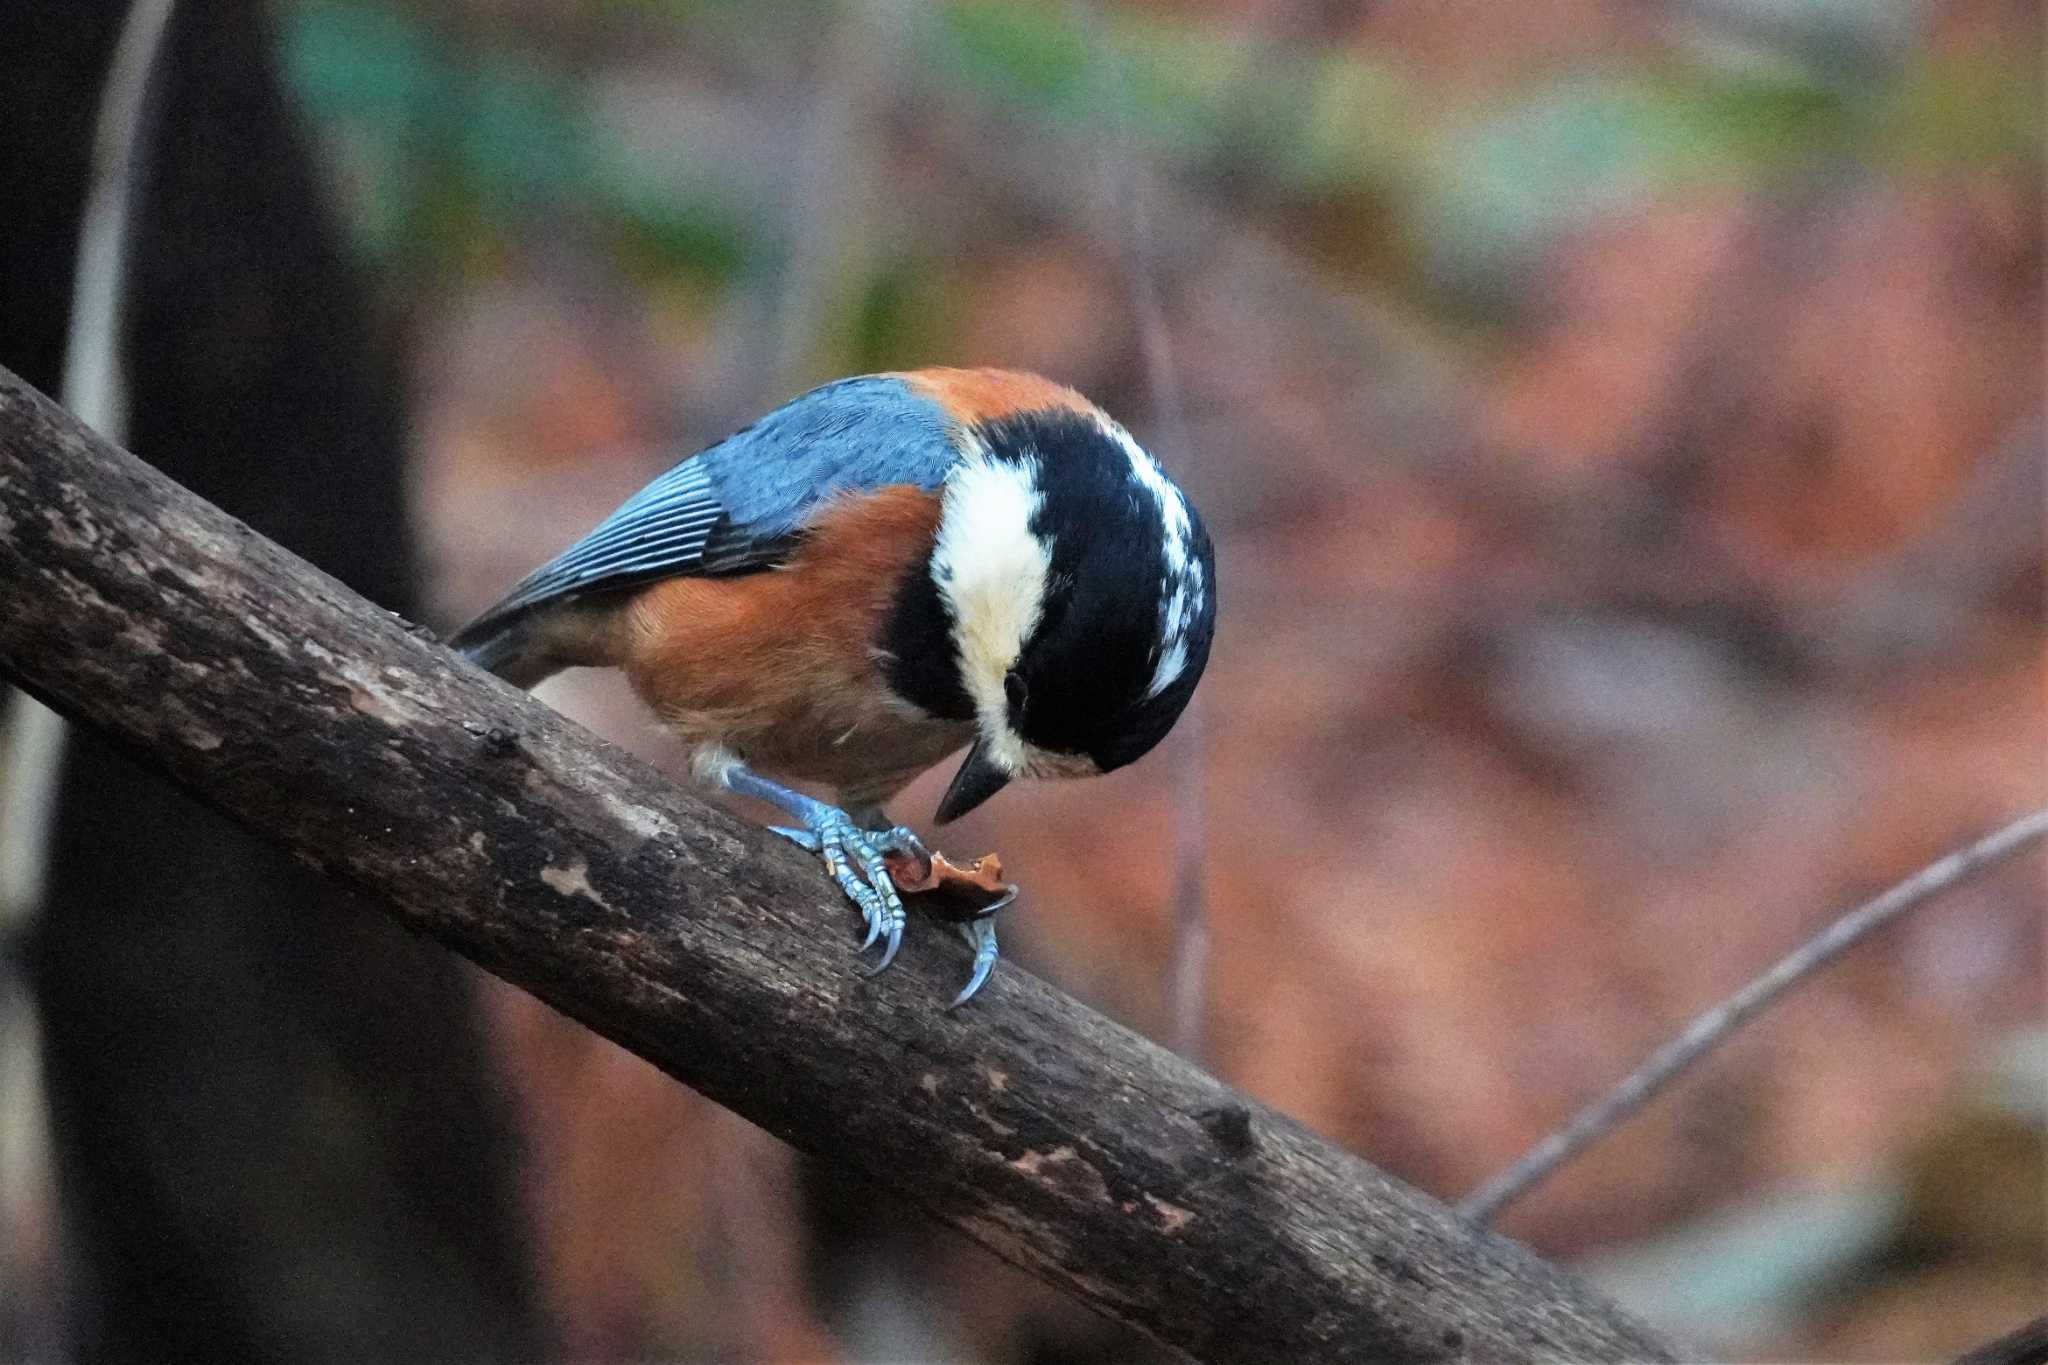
(1181, 587)
(991, 571)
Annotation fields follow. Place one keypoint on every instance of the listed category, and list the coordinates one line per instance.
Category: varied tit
(874, 575)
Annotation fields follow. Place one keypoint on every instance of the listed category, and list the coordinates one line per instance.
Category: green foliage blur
(453, 140)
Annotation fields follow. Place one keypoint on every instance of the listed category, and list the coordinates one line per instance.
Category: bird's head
(1067, 604)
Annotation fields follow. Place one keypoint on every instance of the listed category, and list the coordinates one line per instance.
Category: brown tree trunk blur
(277, 1132)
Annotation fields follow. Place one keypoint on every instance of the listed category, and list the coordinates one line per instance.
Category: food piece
(947, 890)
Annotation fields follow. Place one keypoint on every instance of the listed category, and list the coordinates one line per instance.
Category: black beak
(979, 778)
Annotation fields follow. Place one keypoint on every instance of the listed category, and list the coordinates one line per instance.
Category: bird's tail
(500, 647)
(527, 647)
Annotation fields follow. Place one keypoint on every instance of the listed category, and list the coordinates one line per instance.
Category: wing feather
(741, 505)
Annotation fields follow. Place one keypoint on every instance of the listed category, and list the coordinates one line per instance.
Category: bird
(880, 572)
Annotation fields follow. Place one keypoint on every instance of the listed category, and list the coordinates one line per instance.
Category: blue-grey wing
(742, 504)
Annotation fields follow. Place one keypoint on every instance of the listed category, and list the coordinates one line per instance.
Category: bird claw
(855, 859)
(988, 912)
(903, 841)
(981, 936)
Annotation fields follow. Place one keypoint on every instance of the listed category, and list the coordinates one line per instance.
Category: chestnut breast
(781, 666)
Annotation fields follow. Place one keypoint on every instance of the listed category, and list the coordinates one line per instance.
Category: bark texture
(1063, 1142)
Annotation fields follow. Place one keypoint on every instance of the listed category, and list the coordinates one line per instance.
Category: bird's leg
(853, 856)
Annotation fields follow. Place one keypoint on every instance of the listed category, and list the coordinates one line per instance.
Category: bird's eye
(1014, 690)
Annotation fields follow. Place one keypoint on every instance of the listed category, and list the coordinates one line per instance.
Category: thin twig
(95, 388)
(833, 211)
(1128, 189)
(1711, 1029)
(1188, 973)
(96, 392)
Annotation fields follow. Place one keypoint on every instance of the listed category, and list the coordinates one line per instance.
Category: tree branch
(1066, 1144)
(1710, 1029)
(2026, 1344)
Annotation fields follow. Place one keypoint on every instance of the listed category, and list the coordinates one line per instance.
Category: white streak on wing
(1171, 661)
(1177, 609)
(1173, 504)
(991, 570)
(1181, 586)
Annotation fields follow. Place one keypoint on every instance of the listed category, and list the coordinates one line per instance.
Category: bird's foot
(863, 848)
(855, 858)
(858, 859)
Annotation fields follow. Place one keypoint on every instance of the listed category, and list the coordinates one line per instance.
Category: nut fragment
(946, 889)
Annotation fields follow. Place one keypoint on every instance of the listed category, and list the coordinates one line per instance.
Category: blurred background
(1621, 424)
